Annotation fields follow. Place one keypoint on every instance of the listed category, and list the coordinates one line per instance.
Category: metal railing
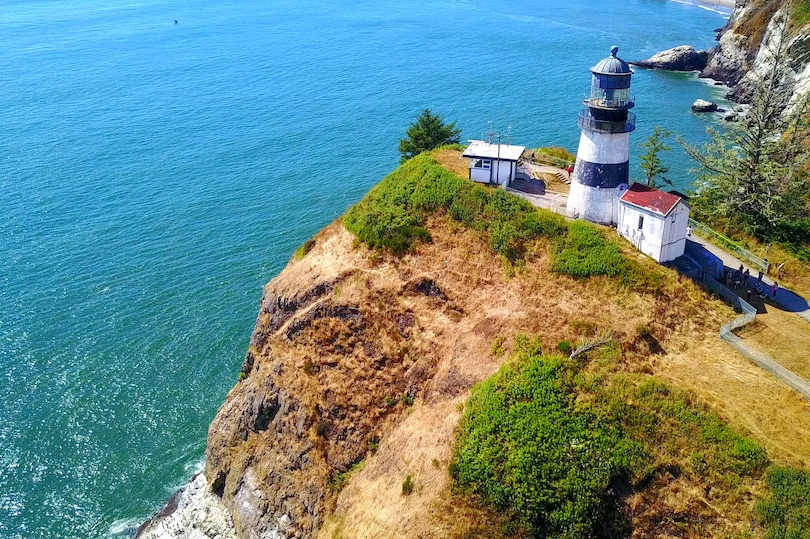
(599, 100)
(729, 245)
(748, 315)
(586, 121)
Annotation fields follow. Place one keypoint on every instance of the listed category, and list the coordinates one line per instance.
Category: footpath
(785, 298)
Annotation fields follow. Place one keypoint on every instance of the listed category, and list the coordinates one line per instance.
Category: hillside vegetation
(577, 448)
(393, 215)
(560, 443)
(344, 417)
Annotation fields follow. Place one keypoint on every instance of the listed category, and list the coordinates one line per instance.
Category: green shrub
(564, 347)
(545, 438)
(393, 215)
(527, 449)
(585, 252)
(407, 400)
(390, 401)
(407, 486)
(302, 251)
(786, 515)
(338, 480)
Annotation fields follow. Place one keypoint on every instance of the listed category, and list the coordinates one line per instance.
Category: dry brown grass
(785, 338)
(436, 348)
(683, 320)
(453, 161)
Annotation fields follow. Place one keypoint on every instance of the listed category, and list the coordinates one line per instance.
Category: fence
(749, 313)
(729, 245)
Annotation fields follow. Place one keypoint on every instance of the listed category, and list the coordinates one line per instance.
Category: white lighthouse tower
(603, 159)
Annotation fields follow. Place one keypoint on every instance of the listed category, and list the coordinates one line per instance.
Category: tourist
(760, 276)
(746, 276)
(773, 289)
(689, 231)
(749, 296)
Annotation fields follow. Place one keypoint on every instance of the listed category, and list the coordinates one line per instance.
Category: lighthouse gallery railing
(586, 121)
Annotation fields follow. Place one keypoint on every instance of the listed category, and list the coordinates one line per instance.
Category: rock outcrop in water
(741, 52)
(683, 58)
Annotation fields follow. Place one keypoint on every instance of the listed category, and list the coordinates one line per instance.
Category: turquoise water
(153, 176)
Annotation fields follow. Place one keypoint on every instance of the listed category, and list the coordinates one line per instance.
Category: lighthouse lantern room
(602, 167)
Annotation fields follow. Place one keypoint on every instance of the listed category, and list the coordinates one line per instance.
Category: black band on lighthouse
(601, 175)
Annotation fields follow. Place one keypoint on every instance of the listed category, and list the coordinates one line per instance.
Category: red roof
(651, 199)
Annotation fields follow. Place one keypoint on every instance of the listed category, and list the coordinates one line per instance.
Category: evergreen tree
(654, 169)
(428, 132)
(752, 174)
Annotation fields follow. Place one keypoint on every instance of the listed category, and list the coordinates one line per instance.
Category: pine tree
(751, 175)
(428, 132)
(654, 169)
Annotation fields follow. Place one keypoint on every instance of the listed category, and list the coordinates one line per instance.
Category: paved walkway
(786, 299)
(549, 200)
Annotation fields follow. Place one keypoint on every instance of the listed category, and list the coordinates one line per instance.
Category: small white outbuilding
(493, 163)
(654, 221)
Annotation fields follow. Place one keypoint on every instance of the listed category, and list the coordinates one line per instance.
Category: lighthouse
(602, 168)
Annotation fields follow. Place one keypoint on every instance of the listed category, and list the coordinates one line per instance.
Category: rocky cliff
(744, 42)
(360, 363)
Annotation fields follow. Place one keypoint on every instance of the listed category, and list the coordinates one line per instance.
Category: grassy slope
(419, 189)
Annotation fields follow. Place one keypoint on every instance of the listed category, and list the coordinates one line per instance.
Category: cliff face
(347, 339)
(743, 47)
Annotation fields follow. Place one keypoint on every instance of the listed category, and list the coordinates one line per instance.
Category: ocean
(160, 161)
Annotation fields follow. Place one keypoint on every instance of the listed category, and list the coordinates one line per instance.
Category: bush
(546, 438)
(585, 252)
(302, 251)
(407, 486)
(564, 347)
(393, 215)
(526, 448)
(787, 514)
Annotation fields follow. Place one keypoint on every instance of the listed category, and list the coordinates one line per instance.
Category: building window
(485, 164)
(640, 222)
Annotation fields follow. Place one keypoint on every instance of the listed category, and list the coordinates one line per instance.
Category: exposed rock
(193, 513)
(683, 58)
(701, 105)
(728, 61)
(742, 52)
(731, 117)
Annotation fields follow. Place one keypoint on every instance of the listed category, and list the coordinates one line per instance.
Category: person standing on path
(773, 289)
(760, 276)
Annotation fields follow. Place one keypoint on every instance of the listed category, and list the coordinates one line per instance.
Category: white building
(654, 222)
(493, 163)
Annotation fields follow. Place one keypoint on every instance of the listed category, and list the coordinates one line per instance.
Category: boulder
(701, 105)
(730, 117)
(683, 58)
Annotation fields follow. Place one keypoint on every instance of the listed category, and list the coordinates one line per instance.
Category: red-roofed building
(655, 222)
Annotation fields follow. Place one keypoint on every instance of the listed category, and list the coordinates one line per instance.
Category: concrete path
(550, 200)
(786, 299)
(536, 169)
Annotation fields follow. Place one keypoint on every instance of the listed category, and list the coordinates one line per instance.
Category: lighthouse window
(640, 222)
(486, 164)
